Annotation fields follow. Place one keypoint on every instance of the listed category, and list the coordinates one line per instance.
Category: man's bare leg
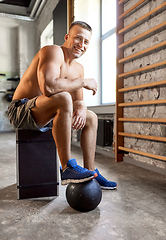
(88, 140)
(61, 131)
(88, 144)
(59, 108)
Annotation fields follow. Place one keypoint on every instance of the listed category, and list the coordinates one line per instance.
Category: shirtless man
(51, 89)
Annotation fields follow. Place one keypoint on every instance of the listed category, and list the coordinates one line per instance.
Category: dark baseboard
(127, 159)
(144, 165)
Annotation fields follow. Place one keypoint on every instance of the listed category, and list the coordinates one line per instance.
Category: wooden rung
(153, 120)
(161, 139)
(142, 18)
(152, 84)
(131, 9)
(142, 153)
(158, 101)
(155, 65)
(120, 1)
(142, 52)
(144, 34)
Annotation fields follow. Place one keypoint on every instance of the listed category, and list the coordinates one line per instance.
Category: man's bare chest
(70, 72)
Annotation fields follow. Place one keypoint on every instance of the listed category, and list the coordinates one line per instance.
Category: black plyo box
(36, 158)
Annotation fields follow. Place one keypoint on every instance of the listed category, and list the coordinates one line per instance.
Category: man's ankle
(64, 167)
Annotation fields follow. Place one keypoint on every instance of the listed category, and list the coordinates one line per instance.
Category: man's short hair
(81, 24)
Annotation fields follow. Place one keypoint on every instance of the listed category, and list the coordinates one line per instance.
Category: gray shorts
(19, 114)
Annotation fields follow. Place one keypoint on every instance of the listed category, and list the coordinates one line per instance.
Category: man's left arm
(79, 107)
(79, 110)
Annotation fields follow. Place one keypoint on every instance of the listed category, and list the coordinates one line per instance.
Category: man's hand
(91, 84)
(79, 116)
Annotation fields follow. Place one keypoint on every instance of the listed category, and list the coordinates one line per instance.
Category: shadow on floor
(9, 192)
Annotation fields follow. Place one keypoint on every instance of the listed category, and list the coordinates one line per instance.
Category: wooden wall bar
(131, 9)
(119, 140)
(121, 1)
(154, 138)
(70, 12)
(143, 153)
(139, 20)
(160, 101)
(152, 120)
(141, 53)
(121, 75)
(146, 85)
(143, 35)
(147, 68)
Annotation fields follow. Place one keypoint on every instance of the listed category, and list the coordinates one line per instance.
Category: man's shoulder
(79, 67)
(52, 52)
(52, 48)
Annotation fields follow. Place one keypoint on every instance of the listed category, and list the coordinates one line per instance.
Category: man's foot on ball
(75, 173)
(104, 183)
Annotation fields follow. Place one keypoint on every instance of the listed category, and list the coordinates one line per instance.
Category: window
(47, 35)
(89, 11)
(108, 51)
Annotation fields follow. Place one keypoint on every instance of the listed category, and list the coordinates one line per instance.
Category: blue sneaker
(75, 173)
(104, 183)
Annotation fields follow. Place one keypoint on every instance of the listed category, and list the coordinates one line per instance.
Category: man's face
(78, 41)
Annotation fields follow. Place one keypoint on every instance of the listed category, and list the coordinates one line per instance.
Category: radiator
(105, 132)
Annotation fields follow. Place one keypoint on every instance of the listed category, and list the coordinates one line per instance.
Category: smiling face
(77, 41)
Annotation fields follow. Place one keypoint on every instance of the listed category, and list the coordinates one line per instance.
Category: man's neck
(67, 57)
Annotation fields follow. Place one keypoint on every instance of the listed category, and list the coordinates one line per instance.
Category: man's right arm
(51, 60)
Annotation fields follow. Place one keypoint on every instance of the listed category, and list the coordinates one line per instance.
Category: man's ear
(66, 37)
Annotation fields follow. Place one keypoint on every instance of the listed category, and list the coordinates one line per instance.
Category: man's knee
(92, 119)
(66, 98)
(64, 101)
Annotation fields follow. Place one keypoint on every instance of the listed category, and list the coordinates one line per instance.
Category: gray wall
(159, 92)
(17, 49)
(20, 41)
(44, 19)
(60, 22)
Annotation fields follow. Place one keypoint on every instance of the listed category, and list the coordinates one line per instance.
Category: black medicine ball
(84, 196)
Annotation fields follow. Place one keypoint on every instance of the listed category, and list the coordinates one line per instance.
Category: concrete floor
(136, 210)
